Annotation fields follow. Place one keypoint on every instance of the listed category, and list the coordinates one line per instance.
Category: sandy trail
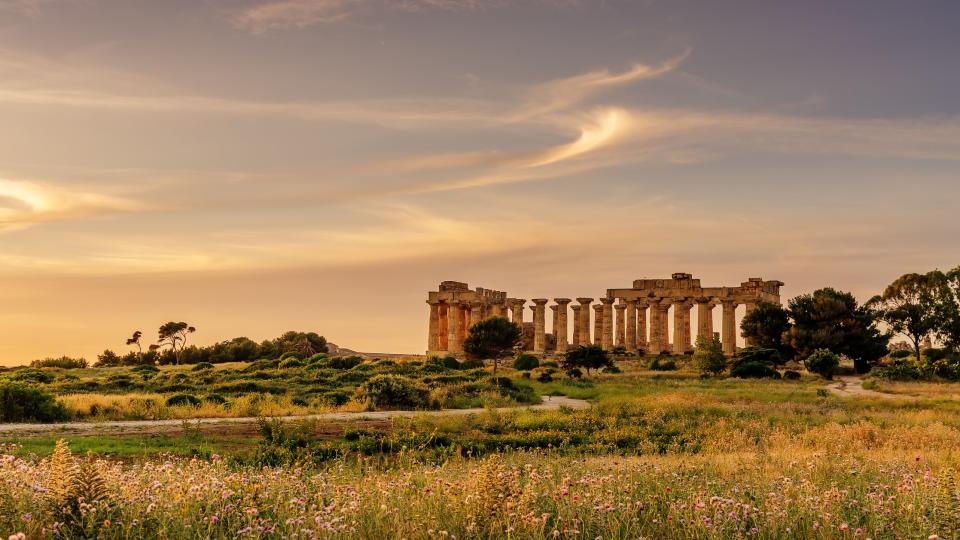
(154, 426)
(853, 387)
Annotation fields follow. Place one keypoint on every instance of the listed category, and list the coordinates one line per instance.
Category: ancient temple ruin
(635, 318)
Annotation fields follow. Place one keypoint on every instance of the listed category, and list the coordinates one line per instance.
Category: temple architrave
(634, 318)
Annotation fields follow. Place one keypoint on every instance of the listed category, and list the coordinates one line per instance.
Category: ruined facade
(635, 318)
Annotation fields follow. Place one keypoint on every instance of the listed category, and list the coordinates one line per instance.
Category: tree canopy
(766, 326)
(587, 357)
(493, 338)
(915, 306)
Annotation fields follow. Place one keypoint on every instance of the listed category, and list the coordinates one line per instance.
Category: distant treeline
(239, 349)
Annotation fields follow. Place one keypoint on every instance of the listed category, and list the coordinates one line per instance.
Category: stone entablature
(620, 318)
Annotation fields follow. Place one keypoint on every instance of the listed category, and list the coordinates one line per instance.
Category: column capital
(576, 307)
(562, 301)
(585, 300)
(629, 301)
(620, 307)
(539, 301)
(607, 301)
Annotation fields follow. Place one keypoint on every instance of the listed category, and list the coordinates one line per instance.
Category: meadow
(659, 455)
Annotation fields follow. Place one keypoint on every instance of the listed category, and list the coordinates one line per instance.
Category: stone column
(539, 324)
(606, 323)
(658, 316)
(577, 321)
(729, 327)
(598, 324)
(464, 323)
(642, 325)
(621, 337)
(705, 319)
(750, 307)
(631, 326)
(554, 309)
(687, 333)
(584, 334)
(516, 308)
(433, 334)
(476, 313)
(454, 344)
(679, 322)
(496, 310)
(561, 325)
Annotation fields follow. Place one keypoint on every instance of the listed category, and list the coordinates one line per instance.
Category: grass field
(660, 455)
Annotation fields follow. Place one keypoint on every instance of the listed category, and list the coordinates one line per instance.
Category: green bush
(145, 368)
(20, 402)
(319, 357)
(658, 364)
(335, 398)
(791, 375)
(472, 363)
(899, 370)
(31, 375)
(932, 355)
(393, 392)
(759, 355)
(344, 362)
(545, 377)
(754, 370)
(902, 353)
(215, 398)
(261, 365)
(823, 362)
(64, 362)
(290, 354)
(526, 362)
(183, 399)
(290, 363)
(709, 357)
(200, 366)
(550, 364)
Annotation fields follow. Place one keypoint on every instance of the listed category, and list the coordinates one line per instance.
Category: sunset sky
(257, 166)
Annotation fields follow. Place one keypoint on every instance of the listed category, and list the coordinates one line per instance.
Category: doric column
(658, 338)
(584, 335)
(577, 321)
(729, 327)
(539, 325)
(464, 322)
(555, 318)
(606, 323)
(454, 344)
(620, 339)
(516, 309)
(476, 313)
(433, 334)
(597, 324)
(687, 333)
(631, 326)
(642, 325)
(679, 307)
(705, 319)
(561, 325)
(750, 307)
(496, 310)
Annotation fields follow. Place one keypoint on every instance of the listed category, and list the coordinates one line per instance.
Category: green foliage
(586, 357)
(32, 375)
(216, 399)
(183, 399)
(791, 375)
(898, 370)
(708, 356)
(766, 326)
(526, 362)
(754, 370)
(660, 364)
(545, 377)
(823, 362)
(344, 362)
(64, 362)
(290, 354)
(902, 353)
(393, 392)
(290, 362)
(831, 319)
(202, 366)
(493, 338)
(21, 402)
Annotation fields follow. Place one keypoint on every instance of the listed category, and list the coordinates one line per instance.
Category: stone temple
(635, 318)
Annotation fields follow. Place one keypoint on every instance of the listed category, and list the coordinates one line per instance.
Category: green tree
(822, 362)
(832, 319)
(949, 327)
(708, 355)
(493, 338)
(174, 335)
(135, 340)
(766, 326)
(913, 306)
(587, 357)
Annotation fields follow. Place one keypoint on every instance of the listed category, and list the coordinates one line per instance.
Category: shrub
(215, 398)
(261, 365)
(472, 363)
(822, 362)
(448, 362)
(574, 373)
(760, 355)
(791, 375)
(64, 362)
(182, 399)
(754, 370)
(290, 354)
(335, 398)
(317, 358)
(932, 355)
(545, 377)
(32, 375)
(587, 357)
(662, 365)
(899, 370)
(613, 369)
(20, 402)
(526, 362)
(550, 364)
(145, 368)
(902, 353)
(344, 362)
(200, 366)
(393, 392)
(290, 363)
(709, 357)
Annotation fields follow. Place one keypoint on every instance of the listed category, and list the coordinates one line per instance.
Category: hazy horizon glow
(254, 166)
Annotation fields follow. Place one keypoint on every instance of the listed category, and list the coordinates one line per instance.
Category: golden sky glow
(262, 165)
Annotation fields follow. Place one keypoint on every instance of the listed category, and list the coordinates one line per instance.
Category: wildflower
(18, 536)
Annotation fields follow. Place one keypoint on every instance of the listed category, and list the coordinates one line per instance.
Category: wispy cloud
(23, 204)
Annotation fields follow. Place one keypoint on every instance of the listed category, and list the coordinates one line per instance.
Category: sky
(256, 166)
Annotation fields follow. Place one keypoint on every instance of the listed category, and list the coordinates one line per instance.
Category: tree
(493, 338)
(832, 319)
(108, 359)
(913, 306)
(766, 326)
(135, 340)
(822, 362)
(587, 357)
(708, 355)
(174, 335)
(949, 327)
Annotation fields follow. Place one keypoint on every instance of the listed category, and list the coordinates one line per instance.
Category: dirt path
(154, 426)
(853, 387)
